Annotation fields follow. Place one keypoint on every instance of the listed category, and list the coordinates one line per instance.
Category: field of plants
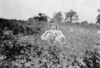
(22, 47)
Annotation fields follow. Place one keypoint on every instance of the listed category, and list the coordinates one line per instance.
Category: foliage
(98, 19)
(32, 52)
(16, 26)
(84, 22)
(71, 16)
(41, 17)
(92, 59)
(58, 17)
(37, 27)
(28, 27)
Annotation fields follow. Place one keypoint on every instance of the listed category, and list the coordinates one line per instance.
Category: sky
(24, 9)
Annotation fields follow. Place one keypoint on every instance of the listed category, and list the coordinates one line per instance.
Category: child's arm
(43, 37)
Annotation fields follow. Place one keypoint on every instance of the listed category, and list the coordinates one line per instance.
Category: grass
(80, 37)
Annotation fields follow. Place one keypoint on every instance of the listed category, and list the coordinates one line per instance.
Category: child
(53, 35)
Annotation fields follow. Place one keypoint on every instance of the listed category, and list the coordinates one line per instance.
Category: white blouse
(53, 33)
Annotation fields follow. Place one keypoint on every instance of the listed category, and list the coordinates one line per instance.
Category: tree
(71, 16)
(41, 17)
(58, 17)
(98, 17)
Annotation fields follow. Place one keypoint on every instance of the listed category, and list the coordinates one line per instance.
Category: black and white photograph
(49, 33)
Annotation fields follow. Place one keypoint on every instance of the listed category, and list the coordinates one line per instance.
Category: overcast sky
(23, 9)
